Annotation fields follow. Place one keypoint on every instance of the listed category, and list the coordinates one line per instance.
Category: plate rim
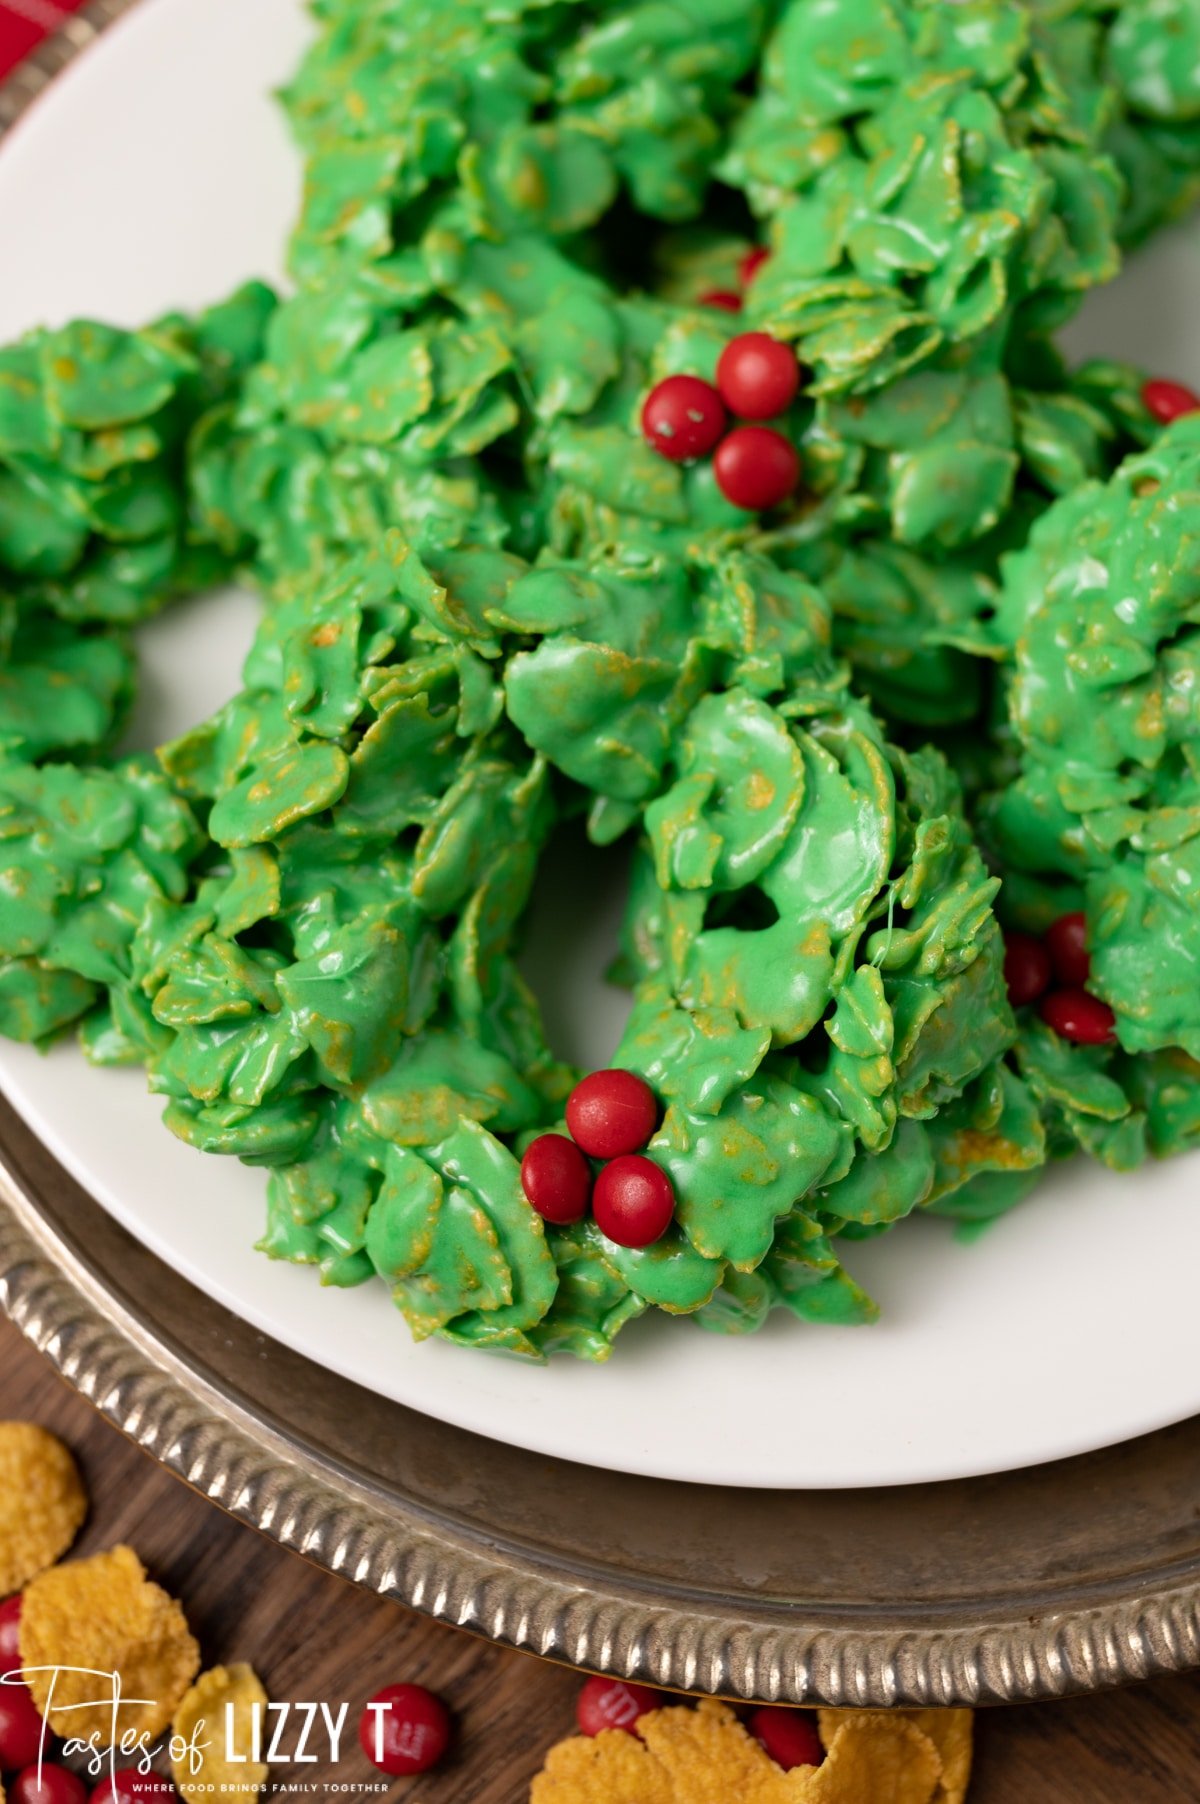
(33, 75)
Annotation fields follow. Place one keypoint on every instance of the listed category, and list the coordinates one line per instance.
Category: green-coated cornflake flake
(283, 788)
(740, 789)
(97, 377)
(697, 1057)
(592, 1302)
(61, 691)
(36, 1000)
(82, 856)
(441, 1079)
(736, 1172)
(807, 1278)
(672, 1274)
(387, 387)
(883, 1187)
(452, 1233)
(1154, 54)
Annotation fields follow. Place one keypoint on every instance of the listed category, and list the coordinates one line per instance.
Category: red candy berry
(611, 1112)
(20, 1726)
(613, 1704)
(789, 1736)
(683, 417)
(756, 468)
(404, 1729)
(758, 376)
(130, 1786)
(633, 1201)
(1066, 942)
(52, 1785)
(724, 298)
(556, 1178)
(1079, 1016)
(10, 1634)
(1027, 968)
(751, 263)
(1169, 401)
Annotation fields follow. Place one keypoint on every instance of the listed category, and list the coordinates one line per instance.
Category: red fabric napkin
(24, 23)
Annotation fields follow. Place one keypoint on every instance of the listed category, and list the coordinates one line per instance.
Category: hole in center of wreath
(570, 939)
(637, 255)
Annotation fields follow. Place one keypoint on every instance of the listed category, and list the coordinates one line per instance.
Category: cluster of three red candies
(1053, 971)
(611, 1116)
(758, 378)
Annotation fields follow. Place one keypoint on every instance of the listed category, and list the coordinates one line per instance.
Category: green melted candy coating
(1103, 609)
(490, 608)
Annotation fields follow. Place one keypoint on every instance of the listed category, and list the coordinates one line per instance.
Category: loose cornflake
(609, 1768)
(42, 1502)
(227, 1702)
(950, 1731)
(99, 1616)
(704, 1756)
(708, 1757)
(874, 1758)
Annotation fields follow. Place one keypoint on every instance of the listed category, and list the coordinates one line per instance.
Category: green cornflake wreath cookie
(491, 607)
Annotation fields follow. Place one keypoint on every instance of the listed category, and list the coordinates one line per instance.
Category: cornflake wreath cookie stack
(649, 443)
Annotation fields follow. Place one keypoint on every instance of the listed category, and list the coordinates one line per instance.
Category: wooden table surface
(315, 1637)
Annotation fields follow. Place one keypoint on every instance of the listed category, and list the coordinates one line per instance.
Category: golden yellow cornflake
(105, 1616)
(708, 1756)
(42, 1502)
(874, 1758)
(679, 1756)
(705, 1756)
(214, 1721)
(609, 1768)
(950, 1731)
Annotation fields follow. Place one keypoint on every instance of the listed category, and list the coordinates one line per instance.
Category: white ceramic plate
(157, 174)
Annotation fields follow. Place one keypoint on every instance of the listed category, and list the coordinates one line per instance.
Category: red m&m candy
(10, 1634)
(633, 1201)
(613, 1704)
(556, 1178)
(1079, 1016)
(1169, 401)
(789, 1736)
(724, 298)
(1027, 968)
(1066, 942)
(683, 417)
(751, 263)
(611, 1112)
(52, 1785)
(20, 1726)
(404, 1729)
(756, 468)
(758, 376)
